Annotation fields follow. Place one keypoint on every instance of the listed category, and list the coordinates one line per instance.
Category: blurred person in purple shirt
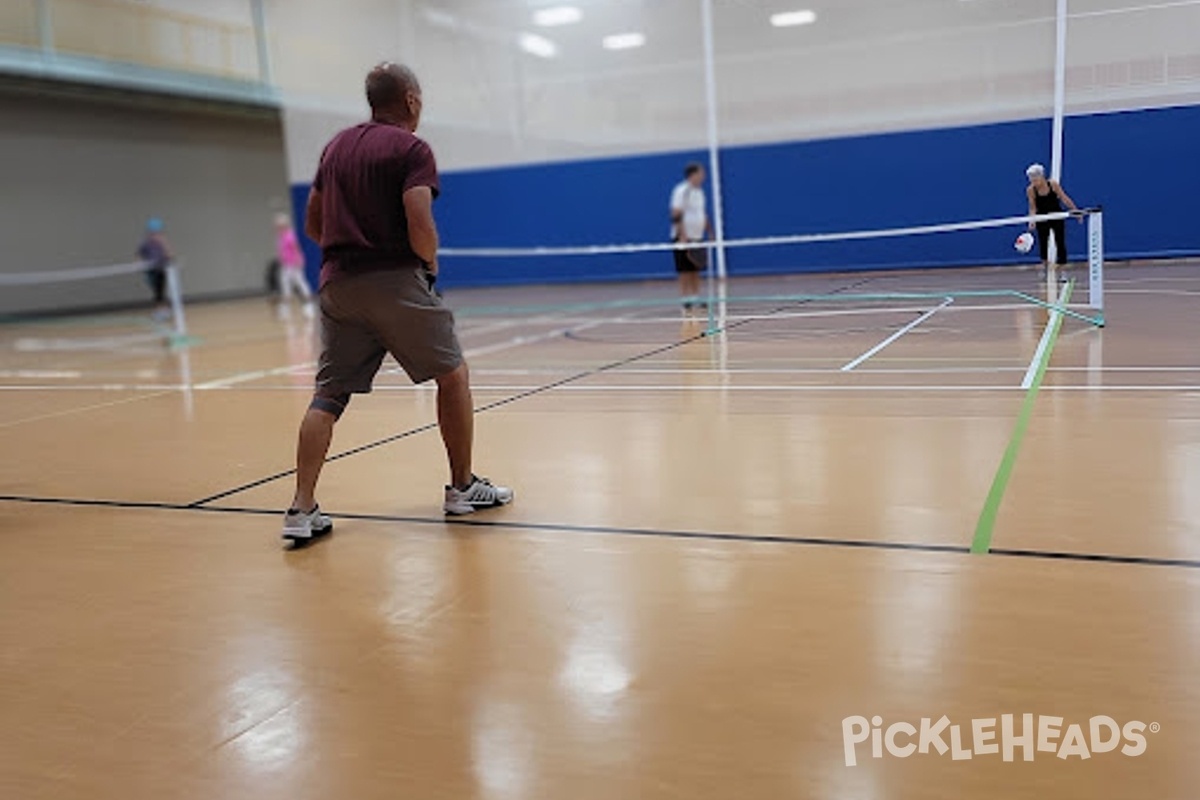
(156, 253)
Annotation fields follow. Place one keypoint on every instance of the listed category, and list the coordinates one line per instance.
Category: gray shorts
(364, 317)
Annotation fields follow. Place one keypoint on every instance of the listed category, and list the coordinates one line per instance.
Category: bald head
(394, 94)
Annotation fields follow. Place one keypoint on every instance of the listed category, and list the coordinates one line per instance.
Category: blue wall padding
(1141, 166)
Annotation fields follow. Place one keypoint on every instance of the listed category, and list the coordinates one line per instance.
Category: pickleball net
(972, 263)
(106, 307)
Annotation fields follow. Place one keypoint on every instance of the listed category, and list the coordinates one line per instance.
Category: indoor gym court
(722, 545)
(890, 515)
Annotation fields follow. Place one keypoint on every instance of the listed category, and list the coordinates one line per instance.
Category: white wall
(1125, 54)
(864, 66)
(233, 12)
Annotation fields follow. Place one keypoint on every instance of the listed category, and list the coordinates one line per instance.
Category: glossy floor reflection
(722, 547)
(181, 654)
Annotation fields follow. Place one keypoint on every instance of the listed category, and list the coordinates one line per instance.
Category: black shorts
(694, 260)
(157, 278)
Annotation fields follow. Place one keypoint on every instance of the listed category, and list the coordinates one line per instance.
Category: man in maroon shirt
(371, 210)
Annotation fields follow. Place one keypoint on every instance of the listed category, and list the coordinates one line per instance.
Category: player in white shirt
(689, 223)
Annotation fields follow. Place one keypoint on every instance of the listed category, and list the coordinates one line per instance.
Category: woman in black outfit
(1048, 197)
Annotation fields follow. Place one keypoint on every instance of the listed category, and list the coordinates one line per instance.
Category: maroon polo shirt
(362, 178)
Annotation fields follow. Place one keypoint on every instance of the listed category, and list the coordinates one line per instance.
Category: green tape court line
(987, 518)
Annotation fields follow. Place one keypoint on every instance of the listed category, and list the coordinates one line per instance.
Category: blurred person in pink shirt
(291, 264)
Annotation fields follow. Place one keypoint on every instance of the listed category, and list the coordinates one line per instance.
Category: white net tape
(174, 287)
(69, 275)
(807, 238)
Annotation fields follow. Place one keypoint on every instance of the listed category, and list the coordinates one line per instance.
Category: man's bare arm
(1062, 195)
(422, 231)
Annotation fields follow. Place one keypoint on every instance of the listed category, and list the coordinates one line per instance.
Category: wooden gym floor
(721, 548)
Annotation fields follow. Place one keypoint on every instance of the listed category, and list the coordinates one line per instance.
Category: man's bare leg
(467, 493)
(456, 419)
(316, 433)
(689, 287)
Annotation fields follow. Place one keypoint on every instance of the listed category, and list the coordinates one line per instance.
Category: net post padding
(1096, 264)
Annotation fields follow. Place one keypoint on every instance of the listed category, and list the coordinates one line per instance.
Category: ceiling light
(536, 45)
(789, 18)
(557, 15)
(624, 41)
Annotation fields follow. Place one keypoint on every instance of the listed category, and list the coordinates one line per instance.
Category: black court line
(508, 400)
(606, 530)
(1095, 557)
(94, 503)
(657, 533)
(433, 425)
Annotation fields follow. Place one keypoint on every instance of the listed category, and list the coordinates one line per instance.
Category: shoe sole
(294, 535)
(464, 510)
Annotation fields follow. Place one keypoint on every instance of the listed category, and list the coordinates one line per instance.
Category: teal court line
(1095, 318)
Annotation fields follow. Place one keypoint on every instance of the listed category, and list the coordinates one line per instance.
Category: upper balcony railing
(120, 43)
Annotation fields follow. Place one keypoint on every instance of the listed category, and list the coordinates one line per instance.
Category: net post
(176, 297)
(1060, 90)
(712, 296)
(714, 140)
(1096, 263)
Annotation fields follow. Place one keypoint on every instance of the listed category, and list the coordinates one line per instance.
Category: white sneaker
(301, 527)
(479, 495)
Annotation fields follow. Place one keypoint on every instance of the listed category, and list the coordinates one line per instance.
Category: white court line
(212, 386)
(896, 335)
(545, 319)
(1043, 343)
(162, 389)
(1152, 279)
(1166, 292)
(42, 374)
(718, 371)
(516, 341)
(120, 343)
(777, 388)
(246, 377)
(465, 331)
(838, 312)
(94, 407)
(520, 341)
(1123, 369)
(510, 344)
(99, 387)
(814, 371)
